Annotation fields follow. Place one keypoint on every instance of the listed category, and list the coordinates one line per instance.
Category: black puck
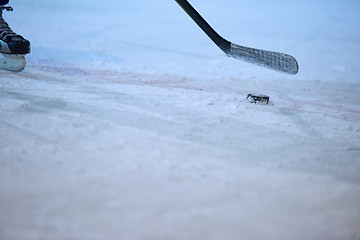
(258, 98)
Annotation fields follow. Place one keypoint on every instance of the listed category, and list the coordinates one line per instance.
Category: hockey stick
(272, 60)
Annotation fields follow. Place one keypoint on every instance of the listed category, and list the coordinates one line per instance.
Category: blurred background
(322, 35)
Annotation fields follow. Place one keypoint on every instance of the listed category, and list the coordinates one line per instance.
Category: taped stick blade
(272, 60)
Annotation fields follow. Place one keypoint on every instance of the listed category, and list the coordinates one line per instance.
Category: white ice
(129, 123)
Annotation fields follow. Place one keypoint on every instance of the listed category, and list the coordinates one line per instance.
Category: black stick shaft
(200, 21)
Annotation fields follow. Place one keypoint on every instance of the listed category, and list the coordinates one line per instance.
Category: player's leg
(3, 2)
(13, 46)
(16, 44)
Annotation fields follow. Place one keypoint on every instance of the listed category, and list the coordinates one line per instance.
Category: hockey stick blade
(272, 60)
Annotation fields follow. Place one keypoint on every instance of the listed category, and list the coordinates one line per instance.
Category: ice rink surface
(129, 123)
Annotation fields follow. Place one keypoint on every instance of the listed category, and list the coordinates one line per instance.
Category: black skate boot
(13, 47)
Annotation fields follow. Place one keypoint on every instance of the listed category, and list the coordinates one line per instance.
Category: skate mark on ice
(314, 107)
(4, 126)
(166, 50)
(30, 103)
(353, 149)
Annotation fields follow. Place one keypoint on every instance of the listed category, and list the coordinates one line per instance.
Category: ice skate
(13, 47)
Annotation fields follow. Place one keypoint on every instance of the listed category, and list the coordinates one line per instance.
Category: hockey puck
(258, 98)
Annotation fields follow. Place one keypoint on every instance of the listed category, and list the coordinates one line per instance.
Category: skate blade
(13, 63)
